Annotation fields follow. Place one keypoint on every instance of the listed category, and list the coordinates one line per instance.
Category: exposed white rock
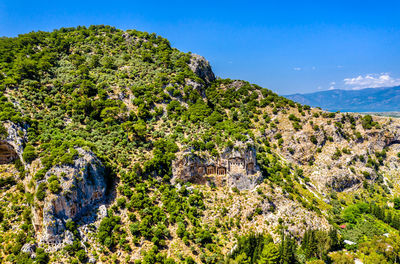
(102, 212)
(29, 248)
(83, 188)
(201, 67)
(12, 147)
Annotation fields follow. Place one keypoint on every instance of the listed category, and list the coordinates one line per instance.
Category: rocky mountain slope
(118, 148)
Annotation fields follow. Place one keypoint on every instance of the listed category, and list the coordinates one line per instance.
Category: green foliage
(108, 230)
(352, 213)
(29, 153)
(41, 256)
(105, 90)
(368, 123)
(251, 246)
(318, 243)
(337, 154)
(3, 132)
(163, 154)
(269, 254)
(396, 202)
(7, 182)
(199, 111)
(361, 230)
(54, 184)
(41, 191)
(314, 140)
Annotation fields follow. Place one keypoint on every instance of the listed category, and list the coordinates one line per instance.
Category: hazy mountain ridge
(365, 100)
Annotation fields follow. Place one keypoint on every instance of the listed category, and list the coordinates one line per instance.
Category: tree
(396, 202)
(108, 227)
(54, 184)
(41, 191)
(333, 235)
(269, 255)
(29, 153)
(286, 250)
(315, 261)
(243, 259)
(140, 128)
(341, 257)
(41, 256)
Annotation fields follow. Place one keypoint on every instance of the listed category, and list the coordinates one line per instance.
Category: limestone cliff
(11, 147)
(336, 155)
(236, 167)
(202, 68)
(83, 188)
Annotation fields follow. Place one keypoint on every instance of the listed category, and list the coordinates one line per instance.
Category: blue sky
(286, 46)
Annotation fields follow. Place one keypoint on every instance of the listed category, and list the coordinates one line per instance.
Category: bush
(396, 202)
(54, 184)
(41, 256)
(41, 191)
(29, 153)
(314, 140)
(107, 229)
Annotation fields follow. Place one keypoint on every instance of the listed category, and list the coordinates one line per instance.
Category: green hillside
(125, 107)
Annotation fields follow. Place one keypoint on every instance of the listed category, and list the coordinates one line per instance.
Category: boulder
(29, 248)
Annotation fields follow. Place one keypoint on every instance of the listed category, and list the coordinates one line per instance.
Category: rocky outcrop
(7, 153)
(83, 187)
(236, 167)
(201, 67)
(11, 147)
(30, 249)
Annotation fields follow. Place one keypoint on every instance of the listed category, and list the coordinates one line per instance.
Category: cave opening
(7, 153)
(393, 142)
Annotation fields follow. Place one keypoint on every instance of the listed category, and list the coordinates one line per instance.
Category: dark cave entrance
(7, 153)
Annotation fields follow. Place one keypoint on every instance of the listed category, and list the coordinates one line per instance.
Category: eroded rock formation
(83, 189)
(202, 68)
(11, 146)
(235, 168)
(7, 152)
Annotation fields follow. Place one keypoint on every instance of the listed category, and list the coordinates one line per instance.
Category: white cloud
(297, 69)
(332, 86)
(371, 81)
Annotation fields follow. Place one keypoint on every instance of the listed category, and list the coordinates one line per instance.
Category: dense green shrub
(29, 153)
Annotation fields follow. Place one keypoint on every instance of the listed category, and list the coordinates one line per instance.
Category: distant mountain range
(365, 100)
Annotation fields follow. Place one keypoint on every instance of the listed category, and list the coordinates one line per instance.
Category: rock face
(7, 153)
(29, 248)
(11, 148)
(235, 168)
(201, 67)
(83, 188)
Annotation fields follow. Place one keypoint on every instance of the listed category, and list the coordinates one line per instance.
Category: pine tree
(269, 255)
(311, 247)
(333, 235)
(395, 222)
(388, 218)
(286, 250)
(243, 259)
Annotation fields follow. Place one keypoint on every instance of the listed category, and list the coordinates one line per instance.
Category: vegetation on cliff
(136, 103)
